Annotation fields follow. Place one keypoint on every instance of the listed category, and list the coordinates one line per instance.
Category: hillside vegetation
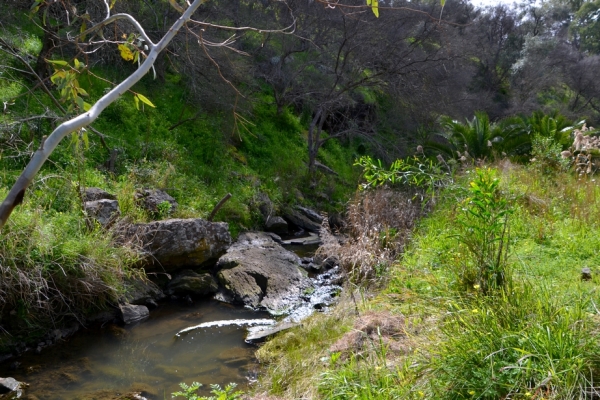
(439, 326)
(464, 256)
(55, 265)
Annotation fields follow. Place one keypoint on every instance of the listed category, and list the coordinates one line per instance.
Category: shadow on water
(146, 358)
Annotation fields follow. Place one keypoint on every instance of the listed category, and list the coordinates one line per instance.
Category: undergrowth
(53, 264)
(531, 337)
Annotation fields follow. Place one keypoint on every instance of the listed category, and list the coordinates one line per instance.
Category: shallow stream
(145, 358)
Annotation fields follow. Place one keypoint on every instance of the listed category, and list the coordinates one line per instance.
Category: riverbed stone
(131, 313)
(297, 218)
(191, 283)
(260, 334)
(276, 225)
(142, 292)
(177, 243)
(259, 273)
(311, 214)
(10, 388)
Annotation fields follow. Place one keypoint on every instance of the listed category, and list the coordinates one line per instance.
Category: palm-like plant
(478, 137)
(551, 125)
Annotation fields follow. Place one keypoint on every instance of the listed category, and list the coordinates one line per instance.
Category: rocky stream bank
(191, 260)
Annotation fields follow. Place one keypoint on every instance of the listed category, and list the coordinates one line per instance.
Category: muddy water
(145, 358)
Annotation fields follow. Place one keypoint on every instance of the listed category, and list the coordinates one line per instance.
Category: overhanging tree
(137, 46)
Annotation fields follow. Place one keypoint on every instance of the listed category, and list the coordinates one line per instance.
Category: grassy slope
(535, 341)
(47, 247)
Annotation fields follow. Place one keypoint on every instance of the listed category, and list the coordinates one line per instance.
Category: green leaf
(57, 62)
(145, 100)
(79, 102)
(86, 106)
(86, 140)
(136, 101)
(443, 2)
(82, 92)
(375, 7)
(82, 29)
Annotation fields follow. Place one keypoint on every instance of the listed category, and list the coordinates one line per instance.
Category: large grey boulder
(260, 273)
(104, 211)
(192, 283)
(175, 243)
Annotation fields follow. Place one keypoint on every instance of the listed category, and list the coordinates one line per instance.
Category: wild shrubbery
(489, 287)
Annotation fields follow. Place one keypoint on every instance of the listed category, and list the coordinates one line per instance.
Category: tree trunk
(48, 46)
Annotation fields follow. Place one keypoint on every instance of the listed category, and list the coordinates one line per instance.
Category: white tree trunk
(15, 196)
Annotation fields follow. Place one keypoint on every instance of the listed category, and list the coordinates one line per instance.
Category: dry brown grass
(379, 225)
(372, 330)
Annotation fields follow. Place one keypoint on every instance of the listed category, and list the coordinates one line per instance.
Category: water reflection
(145, 358)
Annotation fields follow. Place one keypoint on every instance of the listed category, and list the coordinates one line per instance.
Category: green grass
(47, 249)
(533, 339)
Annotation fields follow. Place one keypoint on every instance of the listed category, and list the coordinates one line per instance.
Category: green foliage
(586, 27)
(418, 172)
(484, 231)
(190, 392)
(164, 209)
(474, 139)
(526, 343)
(360, 378)
(546, 155)
(66, 79)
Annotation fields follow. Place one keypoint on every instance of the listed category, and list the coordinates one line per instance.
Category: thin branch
(116, 17)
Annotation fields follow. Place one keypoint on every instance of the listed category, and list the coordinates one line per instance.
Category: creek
(147, 358)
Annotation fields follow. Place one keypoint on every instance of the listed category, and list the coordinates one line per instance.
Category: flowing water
(146, 358)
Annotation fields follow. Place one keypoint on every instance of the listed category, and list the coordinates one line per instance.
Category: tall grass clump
(524, 343)
(53, 269)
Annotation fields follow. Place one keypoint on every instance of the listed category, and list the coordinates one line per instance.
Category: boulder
(311, 214)
(276, 225)
(131, 313)
(94, 193)
(260, 273)
(311, 239)
(142, 292)
(265, 205)
(300, 220)
(192, 283)
(10, 388)
(150, 199)
(176, 243)
(104, 211)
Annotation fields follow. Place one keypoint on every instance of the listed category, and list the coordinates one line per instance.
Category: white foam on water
(238, 322)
